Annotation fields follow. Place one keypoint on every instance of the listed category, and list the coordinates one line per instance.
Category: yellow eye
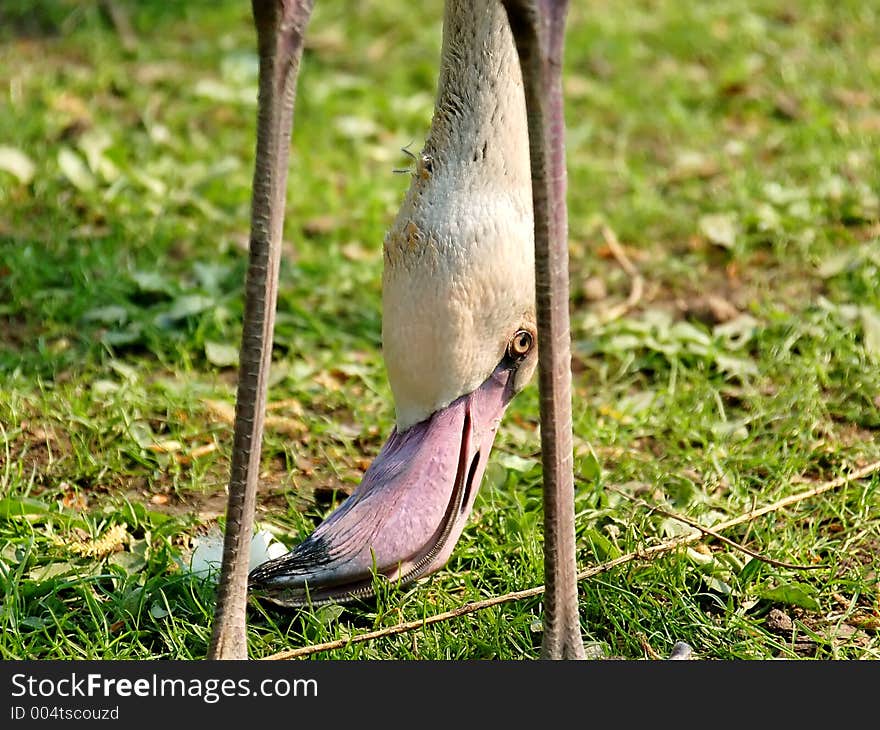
(520, 344)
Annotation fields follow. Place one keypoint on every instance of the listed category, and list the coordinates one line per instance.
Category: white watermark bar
(130, 692)
(209, 690)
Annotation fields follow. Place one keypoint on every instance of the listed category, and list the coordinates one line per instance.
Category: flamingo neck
(459, 258)
(479, 120)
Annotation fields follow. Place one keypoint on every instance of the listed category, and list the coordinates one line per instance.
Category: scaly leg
(538, 29)
(280, 27)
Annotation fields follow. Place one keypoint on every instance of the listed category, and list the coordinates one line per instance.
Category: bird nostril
(469, 484)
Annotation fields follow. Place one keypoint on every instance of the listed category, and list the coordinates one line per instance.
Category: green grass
(734, 149)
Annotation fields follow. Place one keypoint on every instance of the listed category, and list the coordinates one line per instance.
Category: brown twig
(712, 533)
(637, 282)
(647, 648)
(644, 553)
(409, 625)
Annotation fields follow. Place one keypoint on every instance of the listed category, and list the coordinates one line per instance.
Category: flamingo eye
(520, 344)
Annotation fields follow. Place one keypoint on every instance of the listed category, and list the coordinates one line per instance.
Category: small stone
(779, 622)
(681, 651)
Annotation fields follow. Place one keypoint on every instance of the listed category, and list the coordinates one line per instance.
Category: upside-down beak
(405, 517)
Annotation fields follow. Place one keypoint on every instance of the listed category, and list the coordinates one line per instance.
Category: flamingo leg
(280, 26)
(538, 30)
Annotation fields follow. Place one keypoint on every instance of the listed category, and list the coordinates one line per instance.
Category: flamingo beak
(405, 517)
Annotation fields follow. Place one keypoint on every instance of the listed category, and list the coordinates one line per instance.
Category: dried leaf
(75, 170)
(183, 307)
(286, 425)
(112, 314)
(17, 163)
(354, 251)
(151, 282)
(836, 264)
(719, 228)
(196, 453)
(221, 354)
(709, 309)
(319, 225)
(218, 91)
(130, 373)
(690, 165)
(737, 332)
(93, 144)
(356, 128)
(168, 446)
(132, 333)
(736, 366)
(221, 410)
(595, 289)
(636, 403)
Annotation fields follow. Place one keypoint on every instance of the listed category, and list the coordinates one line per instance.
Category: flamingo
(475, 297)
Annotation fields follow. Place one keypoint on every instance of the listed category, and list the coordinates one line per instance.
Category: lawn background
(733, 150)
